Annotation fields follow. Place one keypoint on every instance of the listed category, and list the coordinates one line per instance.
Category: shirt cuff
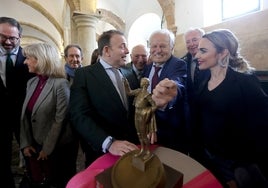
(107, 143)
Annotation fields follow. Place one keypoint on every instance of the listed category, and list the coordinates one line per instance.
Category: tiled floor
(18, 171)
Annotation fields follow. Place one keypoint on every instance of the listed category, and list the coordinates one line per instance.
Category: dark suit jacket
(191, 86)
(131, 76)
(231, 120)
(12, 98)
(171, 121)
(96, 108)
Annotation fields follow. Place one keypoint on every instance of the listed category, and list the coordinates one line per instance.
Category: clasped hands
(30, 151)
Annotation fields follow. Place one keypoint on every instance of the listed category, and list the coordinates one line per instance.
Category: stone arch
(43, 11)
(42, 31)
(105, 15)
(111, 18)
(168, 7)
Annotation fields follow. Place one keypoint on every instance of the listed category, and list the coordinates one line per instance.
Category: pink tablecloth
(203, 180)
(86, 178)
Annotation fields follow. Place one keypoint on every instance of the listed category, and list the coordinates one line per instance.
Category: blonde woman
(50, 155)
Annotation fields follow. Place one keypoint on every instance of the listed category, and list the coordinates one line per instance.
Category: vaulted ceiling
(50, 20)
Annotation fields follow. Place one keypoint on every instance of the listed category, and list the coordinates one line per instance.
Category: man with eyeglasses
(14, 76)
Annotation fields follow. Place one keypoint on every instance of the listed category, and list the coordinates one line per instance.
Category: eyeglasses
(11, 39)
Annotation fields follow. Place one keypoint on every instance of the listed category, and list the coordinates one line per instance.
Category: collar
(105, 64)
(42, 77)
(157, 65)
(3, 51)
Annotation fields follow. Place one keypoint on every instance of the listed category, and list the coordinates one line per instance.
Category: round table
(194, 174)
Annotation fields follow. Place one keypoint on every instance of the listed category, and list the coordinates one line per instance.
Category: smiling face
(9, 37)
(117, 51)
(74, 57)
(160, 48)
(139, 57)
(207, 55)
(192, 40)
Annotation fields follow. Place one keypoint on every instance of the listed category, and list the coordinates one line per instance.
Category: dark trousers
(6, 177)
(65, 167)
(57, 170)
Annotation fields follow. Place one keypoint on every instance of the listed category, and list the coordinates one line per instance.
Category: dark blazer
(192, 85)
(174, 69)
(12, 97)
(96, 108)
(234, 126)
(131, 76)
(11, 100)
(171, 121)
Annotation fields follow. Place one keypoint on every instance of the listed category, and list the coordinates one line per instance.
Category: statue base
(141, 162)
(149, 174)
(125, 174)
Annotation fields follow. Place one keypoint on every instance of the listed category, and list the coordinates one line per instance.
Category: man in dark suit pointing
(97, 104)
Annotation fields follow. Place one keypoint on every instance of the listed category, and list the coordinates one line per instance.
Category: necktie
(196, 72)
(155, 77)
(9, 69)
(121, 88)
(139, 75)
(193, 68)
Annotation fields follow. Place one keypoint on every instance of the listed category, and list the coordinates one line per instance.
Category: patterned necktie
(155, 77)
(120, 86)
(9, 69)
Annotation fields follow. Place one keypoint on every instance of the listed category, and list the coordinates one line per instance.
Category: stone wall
(252, 32)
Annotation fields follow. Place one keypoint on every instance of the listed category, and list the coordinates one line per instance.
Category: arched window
(142, 28)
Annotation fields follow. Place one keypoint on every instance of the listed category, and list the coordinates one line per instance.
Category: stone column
(88, 6)
(86, 33)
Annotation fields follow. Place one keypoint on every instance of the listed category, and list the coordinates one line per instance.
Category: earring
(223, 63)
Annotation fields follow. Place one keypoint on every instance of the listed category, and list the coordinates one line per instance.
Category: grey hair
(191, 29)
(48, 59)
(167, 33)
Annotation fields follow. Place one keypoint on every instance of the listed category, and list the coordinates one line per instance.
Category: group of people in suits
(34, 96)
(218, 116)
(105, 122)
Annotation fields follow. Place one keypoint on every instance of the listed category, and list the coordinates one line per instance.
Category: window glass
(233, 8)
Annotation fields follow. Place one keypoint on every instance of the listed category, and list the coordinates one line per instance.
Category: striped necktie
(120, 87)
